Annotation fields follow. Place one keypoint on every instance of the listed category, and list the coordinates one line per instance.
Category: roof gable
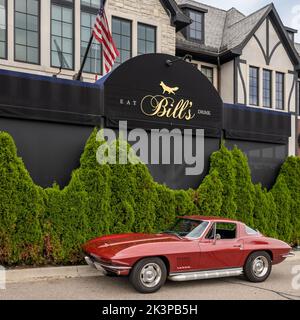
(271, 12)
(228, 32)
(236, 33)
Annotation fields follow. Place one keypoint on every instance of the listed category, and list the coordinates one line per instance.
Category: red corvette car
(195, 248)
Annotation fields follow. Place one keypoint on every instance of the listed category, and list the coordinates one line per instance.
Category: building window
(253, 86)
(3, 29)
(27, 31)
(279, 91)
(196, 28)
(121, 32)
(146, 39)
(93, 62)
(267, 88)
(62, 46)
(208, 72)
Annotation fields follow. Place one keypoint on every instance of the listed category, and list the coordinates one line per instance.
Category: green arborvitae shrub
(244, 189)
(83, 206)
(165, 209)
(223, 162)
(290, 171)
(282, 198)
(185, 202)
(20, 209)
(49, 225)
(264, 211)
(210, 195)
(145, 198)
(96, 182)
(66, 220)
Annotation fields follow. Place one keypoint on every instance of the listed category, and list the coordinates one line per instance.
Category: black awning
(254, 124)
(153, 93)
(27, 96)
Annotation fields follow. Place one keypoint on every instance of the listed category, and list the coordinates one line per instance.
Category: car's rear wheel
(258, 266)
(148, 275)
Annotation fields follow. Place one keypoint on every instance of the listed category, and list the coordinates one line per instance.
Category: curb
(51, 273)
(56, 273)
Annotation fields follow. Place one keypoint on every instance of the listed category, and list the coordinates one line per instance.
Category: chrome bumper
(288, 255)
(104, 267)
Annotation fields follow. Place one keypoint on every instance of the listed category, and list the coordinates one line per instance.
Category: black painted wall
(49, 150)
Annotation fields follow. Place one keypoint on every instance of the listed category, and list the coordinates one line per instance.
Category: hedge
(48, 226)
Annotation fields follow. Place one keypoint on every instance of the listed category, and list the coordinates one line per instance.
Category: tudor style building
(252, 60)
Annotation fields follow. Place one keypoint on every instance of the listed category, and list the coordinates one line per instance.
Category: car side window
(226, 230)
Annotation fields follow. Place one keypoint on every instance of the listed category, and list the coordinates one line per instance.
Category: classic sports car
(195, 248)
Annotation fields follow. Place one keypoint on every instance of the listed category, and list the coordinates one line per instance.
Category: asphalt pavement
(283, 284)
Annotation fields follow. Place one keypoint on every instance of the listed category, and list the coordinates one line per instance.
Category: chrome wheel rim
(260, 266)
(150, 275)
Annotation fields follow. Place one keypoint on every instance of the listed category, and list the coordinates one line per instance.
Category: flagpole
(79, 74)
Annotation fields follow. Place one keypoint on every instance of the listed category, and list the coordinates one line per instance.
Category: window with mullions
(279, 91)
(253, 86)
(208, 72)
(267, 88)
(146, 39)
(62, 47)
(27, 31)
(3, 29)
(93, 62)
(196, 28)
(121, 32)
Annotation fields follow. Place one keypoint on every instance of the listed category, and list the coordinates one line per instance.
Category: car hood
(108, 246)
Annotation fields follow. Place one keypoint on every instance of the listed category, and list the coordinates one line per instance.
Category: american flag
(102, 34)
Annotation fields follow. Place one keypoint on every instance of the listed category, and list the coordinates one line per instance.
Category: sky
(289, 10)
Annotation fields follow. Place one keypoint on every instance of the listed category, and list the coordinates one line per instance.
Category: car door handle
(237, 246)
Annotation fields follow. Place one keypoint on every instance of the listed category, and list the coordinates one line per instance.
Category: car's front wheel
(148, 275)
(258, 266)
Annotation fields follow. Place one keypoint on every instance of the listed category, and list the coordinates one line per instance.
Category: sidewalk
(55, 273)
(50, 273)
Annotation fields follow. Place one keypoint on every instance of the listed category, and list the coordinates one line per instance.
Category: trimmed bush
(223, 162)
(48, 226)
(210, 195)
(264, 211)
(282, 198)
(165, 209)
(244, 189)
(288, 210)
(21, 206)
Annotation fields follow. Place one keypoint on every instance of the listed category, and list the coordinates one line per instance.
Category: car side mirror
(217, 237)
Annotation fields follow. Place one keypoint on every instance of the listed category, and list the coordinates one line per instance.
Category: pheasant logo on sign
(164, 106)
(167, 89)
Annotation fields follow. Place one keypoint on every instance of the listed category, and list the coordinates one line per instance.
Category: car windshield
(188, 228)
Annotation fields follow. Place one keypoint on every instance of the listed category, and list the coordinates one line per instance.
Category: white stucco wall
(280, 62)
(227, 83)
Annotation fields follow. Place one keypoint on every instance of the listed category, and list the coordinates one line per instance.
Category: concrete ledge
(39, 274)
